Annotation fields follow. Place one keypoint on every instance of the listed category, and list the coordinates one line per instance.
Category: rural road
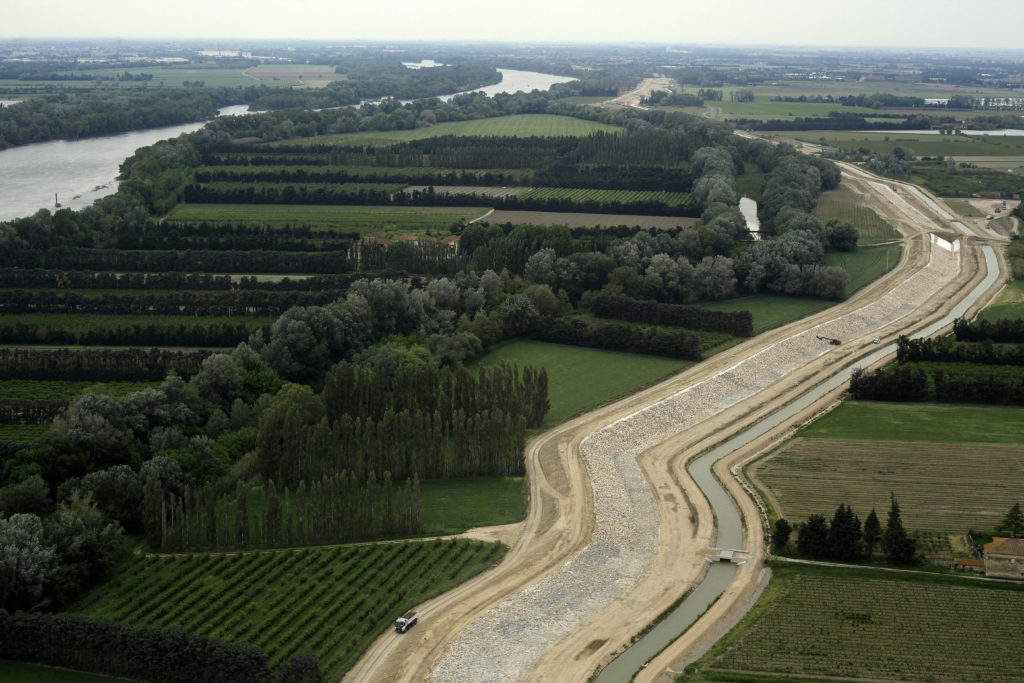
(595, 569)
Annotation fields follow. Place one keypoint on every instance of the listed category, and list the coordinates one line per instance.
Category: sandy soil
(559, 518)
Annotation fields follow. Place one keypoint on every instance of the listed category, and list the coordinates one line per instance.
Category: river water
(82, 171)
(79, 171)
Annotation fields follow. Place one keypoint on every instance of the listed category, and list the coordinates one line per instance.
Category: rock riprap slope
(505, 642)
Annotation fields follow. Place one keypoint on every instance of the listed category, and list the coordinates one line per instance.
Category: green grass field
(769, 310)
(580, 379)
(165, 76)
(920, 145)
(19, 672)
(518, 125)
(57, 390)
(334, 601)
(363, 219)
(1010, 303)
(869, 224)
(875, 625)
(22, 433)
(763, 109)
(921, 422)
(582, 99)
(451, 506)
(865, 264)
(964, 208)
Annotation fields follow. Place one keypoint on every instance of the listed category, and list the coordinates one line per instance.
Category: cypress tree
(872, 533)
(899, 548)
(152, 510)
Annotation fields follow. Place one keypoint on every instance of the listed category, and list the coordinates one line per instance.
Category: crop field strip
(671, 199)
(891, 628)
(85, 322)
(57, 390)
(22, 433)
(921, 145)
(940, 487)
(354, 218)
(334, 601)
(869, 224)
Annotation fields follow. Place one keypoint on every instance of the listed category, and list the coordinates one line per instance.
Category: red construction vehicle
(830, 340)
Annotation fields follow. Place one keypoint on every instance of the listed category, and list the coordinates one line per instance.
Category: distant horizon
(867, 24)
(241, 42)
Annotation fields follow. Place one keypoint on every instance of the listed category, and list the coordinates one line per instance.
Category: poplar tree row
(334, 509)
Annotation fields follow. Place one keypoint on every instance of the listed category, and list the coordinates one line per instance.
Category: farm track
(560, 520)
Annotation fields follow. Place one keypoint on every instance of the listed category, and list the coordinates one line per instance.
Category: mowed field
(349, 218)
(518, 125)
(333, 600)
(873, 626)
(921, 145)
(580, 379)
(940, 487)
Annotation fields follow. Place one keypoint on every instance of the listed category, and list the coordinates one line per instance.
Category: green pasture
(1010, 303)
(19, 672)
(944, 182)
(766, 110)
(518, 125)
(350, 218)
(580, 379)
(873, 625)
(451, 506)
(769, 310)
(920, 422)
(163, 76)
(964, 208)
(84, 322)
(22, 433)
(865, 264)
(751, 184)
(884, 142)
(869, 224)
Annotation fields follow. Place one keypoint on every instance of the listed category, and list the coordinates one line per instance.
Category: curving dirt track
(560, 519)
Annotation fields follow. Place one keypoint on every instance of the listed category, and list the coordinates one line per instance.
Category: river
(82, 171)
(79, 171)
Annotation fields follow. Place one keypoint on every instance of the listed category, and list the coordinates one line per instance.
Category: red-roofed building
(1004, 558)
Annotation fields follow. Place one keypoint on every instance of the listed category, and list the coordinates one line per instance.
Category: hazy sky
(898, 23)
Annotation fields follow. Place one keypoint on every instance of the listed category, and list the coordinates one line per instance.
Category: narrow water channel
(730, 525)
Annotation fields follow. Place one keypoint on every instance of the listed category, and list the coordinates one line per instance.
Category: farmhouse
(1004, 558)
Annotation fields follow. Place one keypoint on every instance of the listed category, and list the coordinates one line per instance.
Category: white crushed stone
(504, 643)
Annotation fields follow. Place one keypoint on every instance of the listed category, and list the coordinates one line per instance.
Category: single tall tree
(872, 533)
(812, 537)
(1013, 522)
(844, 535)
(780, 535)
(899, 548)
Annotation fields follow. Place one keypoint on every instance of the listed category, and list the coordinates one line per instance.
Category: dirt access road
(562, 523)
(635, 97)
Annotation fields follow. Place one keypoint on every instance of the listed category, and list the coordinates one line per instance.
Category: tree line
(40, 278)
(737, 324)
(210, 334)
(335, 509)
(1004, 330)
(943, 349)
(617, 337)
(76, 258)
(192, 303)
(844, 539)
